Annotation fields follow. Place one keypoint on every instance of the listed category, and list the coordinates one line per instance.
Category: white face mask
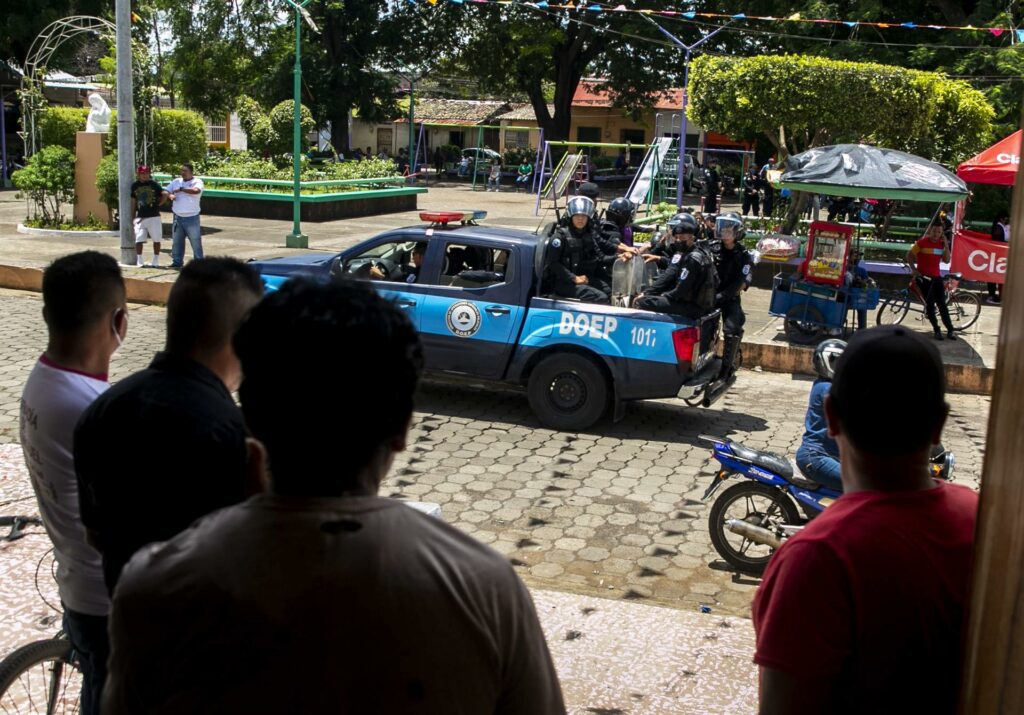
(113, 327)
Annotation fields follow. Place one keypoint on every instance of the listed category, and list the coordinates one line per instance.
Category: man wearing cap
(147, 196)
(864, 609)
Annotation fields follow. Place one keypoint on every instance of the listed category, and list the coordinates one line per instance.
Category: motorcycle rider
(734, 265)
(571, 249)
(688, 286)
(818, 455)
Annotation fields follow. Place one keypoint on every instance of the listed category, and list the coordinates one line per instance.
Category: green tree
(272, 133)
(21, 22)
(801, 102)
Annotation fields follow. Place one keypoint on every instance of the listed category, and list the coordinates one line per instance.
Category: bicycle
(964, 307)
(42, 676)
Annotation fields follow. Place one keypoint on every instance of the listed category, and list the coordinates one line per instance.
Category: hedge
(58, 126)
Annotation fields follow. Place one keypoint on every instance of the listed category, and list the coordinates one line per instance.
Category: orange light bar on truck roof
(445, 217)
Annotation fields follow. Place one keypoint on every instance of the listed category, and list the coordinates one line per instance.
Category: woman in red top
(924, 258)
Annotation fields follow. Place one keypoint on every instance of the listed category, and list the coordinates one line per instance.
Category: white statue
(99, 116)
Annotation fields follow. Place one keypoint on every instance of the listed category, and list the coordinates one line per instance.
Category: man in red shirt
(924, 258)
(864, 609)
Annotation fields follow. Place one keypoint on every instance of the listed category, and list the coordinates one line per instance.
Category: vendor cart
(816, 301)
(818, 298)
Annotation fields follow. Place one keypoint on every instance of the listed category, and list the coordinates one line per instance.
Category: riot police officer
(688, 286)
(570, 250)
(734, 267)
(663, 247)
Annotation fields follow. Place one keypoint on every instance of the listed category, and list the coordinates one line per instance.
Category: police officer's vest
(705, 297)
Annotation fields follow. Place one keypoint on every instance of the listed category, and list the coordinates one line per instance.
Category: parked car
(481, 158)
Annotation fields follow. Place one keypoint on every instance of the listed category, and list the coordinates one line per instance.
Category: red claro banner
(978, 257)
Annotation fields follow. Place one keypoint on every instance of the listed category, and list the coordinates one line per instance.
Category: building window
(636, 138)
(216, 132)
(515, 139)
(589, 135)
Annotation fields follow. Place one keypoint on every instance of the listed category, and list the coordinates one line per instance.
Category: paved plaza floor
(605, 526)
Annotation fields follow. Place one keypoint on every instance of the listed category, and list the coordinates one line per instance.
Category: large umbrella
(996, 165)
(868, 172)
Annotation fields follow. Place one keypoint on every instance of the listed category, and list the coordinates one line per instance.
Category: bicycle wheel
(41, 677)
(964, 309)
(892, 311)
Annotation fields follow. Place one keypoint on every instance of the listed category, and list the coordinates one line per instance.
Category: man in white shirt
(184, 194)
(86, 317)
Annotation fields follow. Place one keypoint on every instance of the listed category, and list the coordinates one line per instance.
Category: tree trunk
(339, 132)
(797, 205)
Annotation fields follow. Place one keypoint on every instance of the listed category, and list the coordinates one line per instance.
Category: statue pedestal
(88, 152)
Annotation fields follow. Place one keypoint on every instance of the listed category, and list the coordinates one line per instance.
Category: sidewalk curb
(968, 379)
(22, 228)
(138, 290)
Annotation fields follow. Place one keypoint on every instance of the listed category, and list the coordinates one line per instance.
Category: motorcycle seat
(766, 460)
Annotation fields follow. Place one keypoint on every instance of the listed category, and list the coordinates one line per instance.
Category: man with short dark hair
(864, 609)
(320, 596)
(132, 492)
(185, 194)
(86, 319)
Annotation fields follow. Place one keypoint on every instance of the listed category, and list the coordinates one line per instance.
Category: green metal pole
(412, 104)
(296, 239)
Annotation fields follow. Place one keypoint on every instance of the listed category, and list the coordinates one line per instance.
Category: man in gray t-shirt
(86, 318)
(321, 596)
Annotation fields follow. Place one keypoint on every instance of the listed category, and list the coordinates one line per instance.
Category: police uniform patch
(556, 243)
(463, 319)
(746, 270)
(676, 258)
(685, 272)
(411, 278)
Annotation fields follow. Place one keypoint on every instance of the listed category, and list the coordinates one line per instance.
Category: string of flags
(594, 8)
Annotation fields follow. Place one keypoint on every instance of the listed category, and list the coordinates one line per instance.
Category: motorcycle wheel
(758, 504)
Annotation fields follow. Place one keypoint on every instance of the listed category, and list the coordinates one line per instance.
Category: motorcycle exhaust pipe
(757, 534)
(717, 390)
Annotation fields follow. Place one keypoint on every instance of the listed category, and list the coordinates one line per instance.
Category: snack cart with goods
(820, 296)
(817, 299)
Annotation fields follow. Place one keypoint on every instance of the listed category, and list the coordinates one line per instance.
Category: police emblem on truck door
(463, 319)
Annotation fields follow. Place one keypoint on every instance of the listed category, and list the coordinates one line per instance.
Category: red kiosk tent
(974, 254)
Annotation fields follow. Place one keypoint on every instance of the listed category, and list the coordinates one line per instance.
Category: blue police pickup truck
(475, 295)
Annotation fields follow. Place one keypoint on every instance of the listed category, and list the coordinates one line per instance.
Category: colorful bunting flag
(691, 15)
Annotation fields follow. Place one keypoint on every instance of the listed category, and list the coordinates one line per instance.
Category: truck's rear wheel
(567, 392)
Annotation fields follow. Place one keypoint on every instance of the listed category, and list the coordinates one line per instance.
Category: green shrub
(179, 136)
(106, 181)
(48, 182)
(282, 121)
(58, 126)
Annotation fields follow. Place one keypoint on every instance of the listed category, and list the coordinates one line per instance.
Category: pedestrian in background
(1001, 233)
(147, 197)
(185, 193)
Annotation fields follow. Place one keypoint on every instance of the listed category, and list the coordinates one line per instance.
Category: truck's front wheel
(567, 392)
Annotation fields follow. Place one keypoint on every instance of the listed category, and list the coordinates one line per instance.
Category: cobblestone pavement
(614, 512)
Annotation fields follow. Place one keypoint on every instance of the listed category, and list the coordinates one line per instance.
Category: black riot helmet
(580, 205)
(730, 221)
(620, 211)
(683, 223)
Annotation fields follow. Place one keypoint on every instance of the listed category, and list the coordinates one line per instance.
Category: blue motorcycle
(752, 518)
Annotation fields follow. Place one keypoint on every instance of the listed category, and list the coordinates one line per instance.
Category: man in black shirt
(130, 493)
(147, 197)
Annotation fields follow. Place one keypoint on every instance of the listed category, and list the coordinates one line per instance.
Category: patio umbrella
(868, 172)
(996, 165)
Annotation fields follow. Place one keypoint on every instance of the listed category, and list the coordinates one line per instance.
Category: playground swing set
(420, 156)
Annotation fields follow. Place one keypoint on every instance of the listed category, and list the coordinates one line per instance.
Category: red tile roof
(591, 93)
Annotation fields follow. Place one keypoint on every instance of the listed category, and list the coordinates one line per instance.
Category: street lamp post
(686, 78)
(297, 239)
